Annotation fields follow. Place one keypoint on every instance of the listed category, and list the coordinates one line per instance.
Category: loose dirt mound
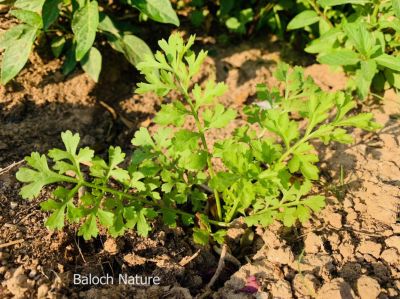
(350, 250)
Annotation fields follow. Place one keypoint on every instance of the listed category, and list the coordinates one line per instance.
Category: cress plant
(267, 168)
(72, 26)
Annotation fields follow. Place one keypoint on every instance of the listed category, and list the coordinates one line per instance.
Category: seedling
(267, 166)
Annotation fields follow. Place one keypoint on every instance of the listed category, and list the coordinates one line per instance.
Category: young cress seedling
(172, 171)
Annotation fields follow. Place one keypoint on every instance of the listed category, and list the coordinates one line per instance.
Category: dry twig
(9, 167)
(80, 251)
(186, 260)
(221, 265)
(228, 257)
(11, 243)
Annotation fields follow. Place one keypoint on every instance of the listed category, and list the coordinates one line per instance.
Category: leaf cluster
(267, 167)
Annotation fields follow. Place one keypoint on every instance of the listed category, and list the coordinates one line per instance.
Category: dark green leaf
(70, 61)
(133, 48)
(303, 19)
(106, 24)
(17, 54)
(91, 63)
(57, 45)
(325, 3)
(50, 12)
(158, 10)
(84, 25)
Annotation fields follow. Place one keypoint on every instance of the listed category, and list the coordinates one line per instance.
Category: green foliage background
(362, 36)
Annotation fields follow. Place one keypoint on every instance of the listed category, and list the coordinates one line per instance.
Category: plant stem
(219, 223)
(121, 194)
(131, 197)
(233, 210)
(375, 12)
(289, 204)
(205, 146)
(318, 11)
(291, 149)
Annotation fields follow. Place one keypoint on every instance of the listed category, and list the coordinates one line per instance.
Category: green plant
(73, 26)
(266, 171)
(238, 16)
(364, 39)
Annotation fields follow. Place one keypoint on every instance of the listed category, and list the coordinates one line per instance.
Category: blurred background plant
(361, 36)
(73, 28)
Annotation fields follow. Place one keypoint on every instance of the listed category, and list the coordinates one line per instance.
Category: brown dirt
(350, 250)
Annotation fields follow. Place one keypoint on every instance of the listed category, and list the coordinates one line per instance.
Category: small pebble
(13, 205)
(8, 275)
(32, 274)
(3, 270)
